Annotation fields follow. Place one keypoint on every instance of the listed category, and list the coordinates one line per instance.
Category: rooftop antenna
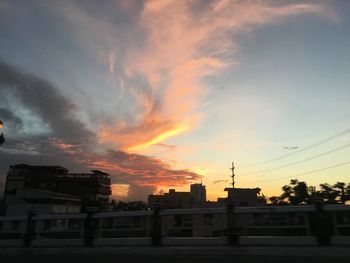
(233, 174)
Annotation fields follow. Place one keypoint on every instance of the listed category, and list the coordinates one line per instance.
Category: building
(23, 200)
(55, 189)
(199, 193)
(244, 196)
(172, 199)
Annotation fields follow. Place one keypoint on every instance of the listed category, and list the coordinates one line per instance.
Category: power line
(298, 151)
(306, 173)
(300, 161)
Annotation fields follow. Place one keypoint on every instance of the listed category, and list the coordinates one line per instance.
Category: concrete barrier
(195, 241)
(105, 242)
(278, 241)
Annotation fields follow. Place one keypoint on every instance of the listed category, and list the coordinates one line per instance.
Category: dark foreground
(177, 254)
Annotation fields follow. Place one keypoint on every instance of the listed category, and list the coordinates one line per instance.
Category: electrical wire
(306, 173)
(298, 151)
(300, 161)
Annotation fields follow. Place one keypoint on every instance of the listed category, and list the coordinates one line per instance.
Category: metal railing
(299, 225)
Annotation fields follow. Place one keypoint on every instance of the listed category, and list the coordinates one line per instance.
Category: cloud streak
(140, 169)
(186, 41)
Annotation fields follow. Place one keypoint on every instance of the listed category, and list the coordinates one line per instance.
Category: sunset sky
(164, 93)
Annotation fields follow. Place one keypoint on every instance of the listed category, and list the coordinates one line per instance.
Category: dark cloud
(142, 170)
(43, 100)
(10, 119)
(137, 192)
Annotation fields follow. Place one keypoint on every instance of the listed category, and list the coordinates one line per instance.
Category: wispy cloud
(186, 41)
(140, 169)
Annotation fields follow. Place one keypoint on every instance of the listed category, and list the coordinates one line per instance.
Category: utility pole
(233, 174)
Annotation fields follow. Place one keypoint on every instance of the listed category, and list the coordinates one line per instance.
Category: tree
(347, 193)
(262, 199)
(299, 193)
(295, 193)
(328, 194)
(341, 187)
(276, 200)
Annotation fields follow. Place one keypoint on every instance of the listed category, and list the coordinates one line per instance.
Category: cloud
(184, 42)
(140, 169)
(158, 53)
(69, 143)
(42, 100)
(137, 192)
(10, 119)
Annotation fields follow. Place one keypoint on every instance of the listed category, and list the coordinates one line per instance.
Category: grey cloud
(137, 192)
(10, 119)
(42, 99)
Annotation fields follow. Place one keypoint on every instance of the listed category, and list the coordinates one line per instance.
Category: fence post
(156, 227)
(321, 225)
(89, 230)
(232, 235)
(30, 229)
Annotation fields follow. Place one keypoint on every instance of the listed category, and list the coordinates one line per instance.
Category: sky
(165, 93)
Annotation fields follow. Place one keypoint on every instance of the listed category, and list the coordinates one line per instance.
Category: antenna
(233, 174)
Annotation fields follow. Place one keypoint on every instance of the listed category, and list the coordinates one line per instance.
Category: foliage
(129, 206)
(297, 193)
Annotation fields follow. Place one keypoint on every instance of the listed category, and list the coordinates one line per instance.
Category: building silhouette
(172, 199)
(52, 189)
(244, 196)
(199, 193)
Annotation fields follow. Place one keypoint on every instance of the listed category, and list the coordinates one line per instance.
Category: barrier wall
(288, 225)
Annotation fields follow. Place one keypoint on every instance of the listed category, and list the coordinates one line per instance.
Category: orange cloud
(62, 145)
(120, 191)
(139, 169)
(159, 138)
(185, 41)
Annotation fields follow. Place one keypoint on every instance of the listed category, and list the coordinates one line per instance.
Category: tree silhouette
(299, 193)
(296, 193)
(341, 187)
(328, 194)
